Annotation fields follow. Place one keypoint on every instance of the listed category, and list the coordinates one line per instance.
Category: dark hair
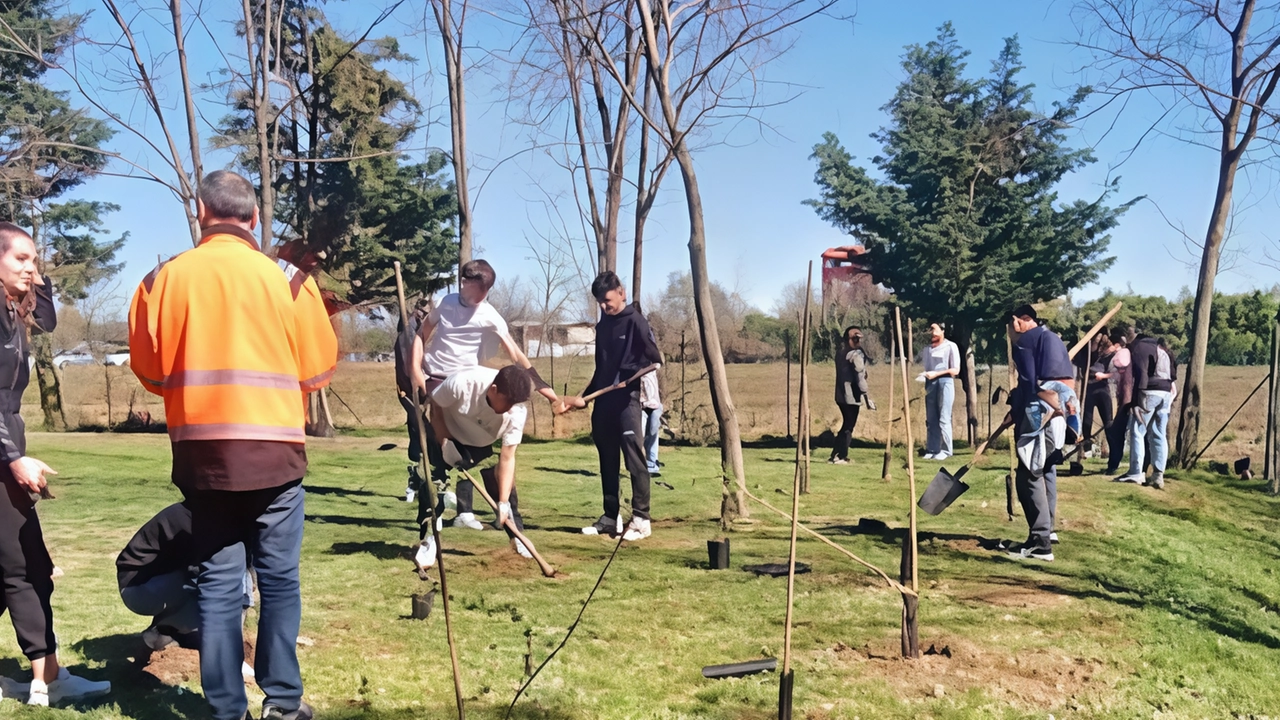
(514, 383)
(1121, 335)
(479, 270)
(851, 328)
(228, 196)
(605, 282)
(1025, 311)
(8, 233)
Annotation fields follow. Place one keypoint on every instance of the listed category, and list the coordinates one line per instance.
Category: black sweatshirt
(624, 344)
(1144, 356)
(160, 547)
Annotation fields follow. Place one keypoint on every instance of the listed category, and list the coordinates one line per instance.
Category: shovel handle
(546, 568)
(983, 447)
(642, 371)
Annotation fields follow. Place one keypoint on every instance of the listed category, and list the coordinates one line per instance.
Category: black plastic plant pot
(422, 605)
(718, 553)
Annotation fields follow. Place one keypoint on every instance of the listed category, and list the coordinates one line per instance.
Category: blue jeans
(939, 395)
(652, 426)
(1151, 415)
(267, 525)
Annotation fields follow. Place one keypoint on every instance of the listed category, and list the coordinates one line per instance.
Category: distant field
(364, 398)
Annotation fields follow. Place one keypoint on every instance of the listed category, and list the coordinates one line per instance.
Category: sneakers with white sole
(272, 712)
(1156, 481)
(611, 526)
(66, 687)
(426, 555)
(521, 550)
(1027, 552)
(1053, 537)
(468, 521)
(1130, 478)
(637, 529)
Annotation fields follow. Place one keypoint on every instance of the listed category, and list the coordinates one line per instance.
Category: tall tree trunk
(193, 135)
(451, 37)
(969, 381)
(1189, 421)
(55, 418)
(260, 86)
(733, 500)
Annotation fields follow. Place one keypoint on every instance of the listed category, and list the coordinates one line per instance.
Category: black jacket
(160, 547)
(15, 368)
(624, 344)
(1144, 356)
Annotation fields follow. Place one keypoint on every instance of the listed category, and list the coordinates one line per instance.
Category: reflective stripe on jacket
(231, 339)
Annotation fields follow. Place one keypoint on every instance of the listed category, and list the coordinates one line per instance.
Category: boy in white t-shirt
(458, 334)
(470, 411)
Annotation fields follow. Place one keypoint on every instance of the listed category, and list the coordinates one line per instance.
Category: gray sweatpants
(1039, 500)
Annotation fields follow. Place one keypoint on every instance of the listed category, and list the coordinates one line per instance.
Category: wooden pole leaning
(430, 489)
(885, 473)
(804, 426)
(910, 550)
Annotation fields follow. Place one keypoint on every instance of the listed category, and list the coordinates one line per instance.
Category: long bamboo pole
(435, 528)
(910, 633)
(885, 473)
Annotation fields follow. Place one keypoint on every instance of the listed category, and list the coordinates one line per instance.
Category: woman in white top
(941, 361)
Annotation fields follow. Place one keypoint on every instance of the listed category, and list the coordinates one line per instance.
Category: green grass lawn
(1160, 605)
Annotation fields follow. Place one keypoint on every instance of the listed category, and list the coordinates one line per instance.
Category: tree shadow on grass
(377, 548)
(139, 694)
(344, 492)
(563, 471)
(362, 521)
(1219, 620)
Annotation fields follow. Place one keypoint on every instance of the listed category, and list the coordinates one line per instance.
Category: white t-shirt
(468, 416)
(464, 336)
(946, 356)
(649, 397)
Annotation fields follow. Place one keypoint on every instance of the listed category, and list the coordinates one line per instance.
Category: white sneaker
(467, 520)
(1053, 537)
(450, 500)
(66, 687)
(426, 555)
(930, 456)
(1128, 478)
(637, 529)
(521, 550)
(410, 494)
(246, 670)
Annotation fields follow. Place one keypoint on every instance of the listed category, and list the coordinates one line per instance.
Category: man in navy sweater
(624, 345)
(1040, 406)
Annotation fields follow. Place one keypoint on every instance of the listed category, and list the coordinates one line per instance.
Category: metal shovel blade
(942, 491)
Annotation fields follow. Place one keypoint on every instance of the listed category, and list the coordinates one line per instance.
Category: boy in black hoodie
(624, 345)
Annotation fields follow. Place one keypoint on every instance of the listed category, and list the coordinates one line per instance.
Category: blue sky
(760, 235)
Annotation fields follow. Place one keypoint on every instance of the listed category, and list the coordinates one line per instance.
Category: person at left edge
(232, 340)
(24, 560)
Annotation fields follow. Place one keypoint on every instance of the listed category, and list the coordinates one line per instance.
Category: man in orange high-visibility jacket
(232, 340)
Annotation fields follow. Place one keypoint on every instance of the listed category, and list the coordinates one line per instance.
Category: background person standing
(24, 560)
(651, 404)
(851, 392)
(941, 361)
(1118, 373)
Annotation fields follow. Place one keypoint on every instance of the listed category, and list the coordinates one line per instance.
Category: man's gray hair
(228, 196)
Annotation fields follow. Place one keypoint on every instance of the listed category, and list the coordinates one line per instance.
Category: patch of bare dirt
(1034, 680)
(176, 665)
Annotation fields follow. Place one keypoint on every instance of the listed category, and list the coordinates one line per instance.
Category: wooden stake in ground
(786, 339)
(885, 473)
(430, 489)
(910, 603)
(804, 426)
(1271, 464)
(788, 679)
(1013, 457)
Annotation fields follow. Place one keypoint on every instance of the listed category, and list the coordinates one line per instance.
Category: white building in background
(537, 339)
